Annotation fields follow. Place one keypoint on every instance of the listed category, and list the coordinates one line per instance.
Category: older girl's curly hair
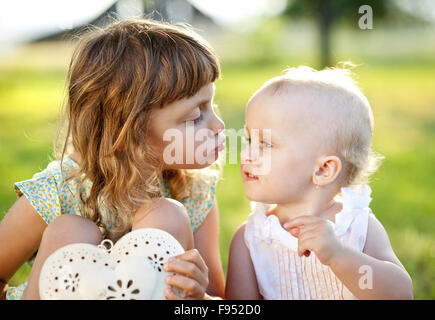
(117, 75)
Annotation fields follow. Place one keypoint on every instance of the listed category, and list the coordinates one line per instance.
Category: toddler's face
(288, 156)
(187, 133)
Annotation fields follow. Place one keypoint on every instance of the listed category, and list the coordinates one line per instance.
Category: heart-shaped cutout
(130, 269)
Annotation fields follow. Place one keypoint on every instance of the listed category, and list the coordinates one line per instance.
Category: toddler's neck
(321, 205)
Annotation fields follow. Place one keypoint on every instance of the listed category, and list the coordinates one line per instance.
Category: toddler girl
(128, 84)
(311, 233)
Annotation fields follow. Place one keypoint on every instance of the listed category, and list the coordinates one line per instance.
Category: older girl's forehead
(205, 94)
(182, 108)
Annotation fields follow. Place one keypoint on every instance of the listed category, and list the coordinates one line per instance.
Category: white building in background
(24, 21)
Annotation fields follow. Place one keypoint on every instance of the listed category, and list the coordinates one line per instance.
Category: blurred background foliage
(395, 69)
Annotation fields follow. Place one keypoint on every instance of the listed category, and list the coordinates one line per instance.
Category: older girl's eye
(199, 119)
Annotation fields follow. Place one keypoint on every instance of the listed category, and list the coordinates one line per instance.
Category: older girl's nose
(217, 125)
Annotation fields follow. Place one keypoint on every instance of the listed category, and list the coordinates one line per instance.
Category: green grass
(402, 101)
(401, 91)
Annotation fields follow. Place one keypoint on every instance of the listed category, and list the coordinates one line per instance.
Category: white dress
(281, 273)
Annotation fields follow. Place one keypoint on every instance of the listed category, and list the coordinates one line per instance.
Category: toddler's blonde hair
(350, 137)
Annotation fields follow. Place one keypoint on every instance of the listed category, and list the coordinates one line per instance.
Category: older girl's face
(187, 133)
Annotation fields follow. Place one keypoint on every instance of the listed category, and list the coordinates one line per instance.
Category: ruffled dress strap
(261, 227)
(351, 222)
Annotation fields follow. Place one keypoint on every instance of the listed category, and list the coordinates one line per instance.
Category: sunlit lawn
(402, 97)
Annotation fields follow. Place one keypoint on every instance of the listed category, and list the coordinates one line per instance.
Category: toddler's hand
(317, 235)
(191, 276)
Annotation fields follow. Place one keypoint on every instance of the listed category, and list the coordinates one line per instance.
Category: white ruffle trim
(268, 228)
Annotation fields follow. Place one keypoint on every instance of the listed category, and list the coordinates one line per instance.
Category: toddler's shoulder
(238, 244)
(240, 231)
(378, 243)
(375, 229)
(238, 240)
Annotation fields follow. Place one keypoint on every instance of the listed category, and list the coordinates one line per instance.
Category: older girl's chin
(211, 160)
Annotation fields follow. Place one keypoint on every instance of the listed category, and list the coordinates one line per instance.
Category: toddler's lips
(248, 176)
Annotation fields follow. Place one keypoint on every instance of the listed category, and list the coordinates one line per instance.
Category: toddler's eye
(247, 139)
(266, 144)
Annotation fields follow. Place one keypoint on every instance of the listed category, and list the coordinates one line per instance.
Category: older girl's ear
(327, 171)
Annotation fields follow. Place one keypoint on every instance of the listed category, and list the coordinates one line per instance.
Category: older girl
(127, 85)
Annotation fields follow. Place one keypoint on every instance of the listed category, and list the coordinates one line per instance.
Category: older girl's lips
(220, 147)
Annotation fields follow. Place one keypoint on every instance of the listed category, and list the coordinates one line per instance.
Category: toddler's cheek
(262, 191)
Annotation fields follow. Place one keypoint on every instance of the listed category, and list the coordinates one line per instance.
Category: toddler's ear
(328, 168)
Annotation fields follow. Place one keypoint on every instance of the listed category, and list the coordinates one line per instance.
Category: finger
(309, 230)
(307, 237)
(187, 269)
(194, 256)
(171, 295)
(294, 231)
(191, 287)
(305, 245)
(301, 220)
(298, 231)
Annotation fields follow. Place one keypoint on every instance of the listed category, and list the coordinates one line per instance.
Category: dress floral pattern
(51, 198)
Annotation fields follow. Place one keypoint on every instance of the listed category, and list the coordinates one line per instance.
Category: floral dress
(52, 198)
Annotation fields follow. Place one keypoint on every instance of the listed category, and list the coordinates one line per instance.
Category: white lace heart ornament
(130, 269)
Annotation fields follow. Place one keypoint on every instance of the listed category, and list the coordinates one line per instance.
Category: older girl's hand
(191, 276)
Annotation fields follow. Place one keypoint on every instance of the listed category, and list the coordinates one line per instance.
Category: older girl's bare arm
(20, 234)
(168, 215)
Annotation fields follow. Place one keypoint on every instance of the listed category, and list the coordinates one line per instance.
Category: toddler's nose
(249, 154)
(244, 156)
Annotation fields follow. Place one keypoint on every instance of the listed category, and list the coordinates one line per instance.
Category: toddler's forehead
(298, 113)
(289, 104)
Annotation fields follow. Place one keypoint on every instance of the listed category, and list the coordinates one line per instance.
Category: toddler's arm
(377, 266)
(241, 279)
(20, 234)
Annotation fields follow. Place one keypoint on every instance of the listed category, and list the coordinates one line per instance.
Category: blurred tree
(327, 13)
